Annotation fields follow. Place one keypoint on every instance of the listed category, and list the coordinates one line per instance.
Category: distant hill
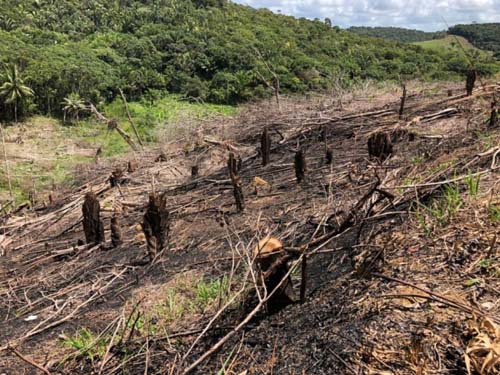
(397, 34)
(483, 35)
(207, 50)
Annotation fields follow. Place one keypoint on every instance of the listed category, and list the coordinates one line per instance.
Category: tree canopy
(203, 49)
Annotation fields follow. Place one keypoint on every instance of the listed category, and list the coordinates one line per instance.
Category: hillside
(483, 35)
(397, 34)
(402, 252)
(211, 51)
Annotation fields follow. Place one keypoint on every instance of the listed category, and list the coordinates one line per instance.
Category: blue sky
(417, 14)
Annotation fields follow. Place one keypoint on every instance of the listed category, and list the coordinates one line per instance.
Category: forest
(397, 34)
(207, 51)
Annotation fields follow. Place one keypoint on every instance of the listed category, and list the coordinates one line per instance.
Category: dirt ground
(402, 254)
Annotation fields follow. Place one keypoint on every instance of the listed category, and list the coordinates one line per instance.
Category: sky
(424, 15)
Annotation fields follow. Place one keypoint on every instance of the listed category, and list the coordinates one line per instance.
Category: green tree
(13, 89)
(72, 106)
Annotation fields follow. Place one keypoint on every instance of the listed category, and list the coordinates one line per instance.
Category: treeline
(397, 34)
(483, 35)
(208, 50)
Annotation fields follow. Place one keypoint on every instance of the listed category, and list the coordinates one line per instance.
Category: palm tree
(73, 104)
(13, 88)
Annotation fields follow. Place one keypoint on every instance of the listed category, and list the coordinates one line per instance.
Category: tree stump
(265, 147)
(116, 177)
(92, 224)
(116, 230)
(232, 165)
(450, 93)
(403, 101)
(156, 225)
(380, 146)
(273, 264)
(470, 81)
(195, 171)
(493, 123)
(131, 166)
(329, 156)
(300, 165)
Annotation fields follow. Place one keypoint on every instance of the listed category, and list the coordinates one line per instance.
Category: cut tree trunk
(116, 230)
(300, 165)
(92, 224)
(232, 165)
(156, 225)
(265, 147)
(380, 146)
(470, 81)
(403, 101)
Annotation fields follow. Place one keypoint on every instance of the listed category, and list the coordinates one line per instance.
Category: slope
(400, 253)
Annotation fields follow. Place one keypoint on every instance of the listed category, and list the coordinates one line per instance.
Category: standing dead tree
(493, 123)
(112, 124)
(92, 224)
(130, 118)
(232, 164)
(265, 147)
(300, 165)
(380, 145)
(403, 101)
(471, 80)
(156, 225)
(116, 230)
(275, 85)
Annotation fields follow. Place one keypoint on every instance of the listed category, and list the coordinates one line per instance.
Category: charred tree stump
(323, 135)
(131, 166)
(403, 101)
(493, 123)
(239, 163)
(470, 81)
(329, 156)
(92, 224)
(161, 158)
(450, 92)
(116, 177)
(265, 147)
(116, 230)
(273, 264)
(380, 146)
(156, 225)
(195, 171)
(232, 164)
(300, 166)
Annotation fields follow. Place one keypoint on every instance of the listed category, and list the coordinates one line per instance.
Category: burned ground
(402, 273)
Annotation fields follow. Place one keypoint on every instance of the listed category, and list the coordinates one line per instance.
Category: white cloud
(418, 14)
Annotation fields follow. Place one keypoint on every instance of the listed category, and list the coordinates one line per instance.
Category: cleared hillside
(402, 253)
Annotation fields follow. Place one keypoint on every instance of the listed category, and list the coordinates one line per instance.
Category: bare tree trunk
(92, 224)
(236, 181)
(130, 118)
(300, 165)
(156, 225)
(403, 101)
(7, 169)
(265, 147)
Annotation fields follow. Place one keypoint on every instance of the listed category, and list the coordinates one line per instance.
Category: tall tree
(13, 89)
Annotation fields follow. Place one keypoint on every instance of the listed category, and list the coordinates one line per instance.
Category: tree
(72, 106)
(13, 89)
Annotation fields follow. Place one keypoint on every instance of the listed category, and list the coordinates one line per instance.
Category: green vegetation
(206, 51)
(449, 42)
(86, 344)
(397, 34)
(494, 213)
(483, 35)
(13, 90)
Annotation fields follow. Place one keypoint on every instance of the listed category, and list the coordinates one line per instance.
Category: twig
(29, 361)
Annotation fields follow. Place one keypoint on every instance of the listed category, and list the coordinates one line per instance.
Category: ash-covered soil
(402, 253)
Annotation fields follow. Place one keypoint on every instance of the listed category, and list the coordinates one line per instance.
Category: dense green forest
(482, 35)
(397, 34)
(69, 51)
